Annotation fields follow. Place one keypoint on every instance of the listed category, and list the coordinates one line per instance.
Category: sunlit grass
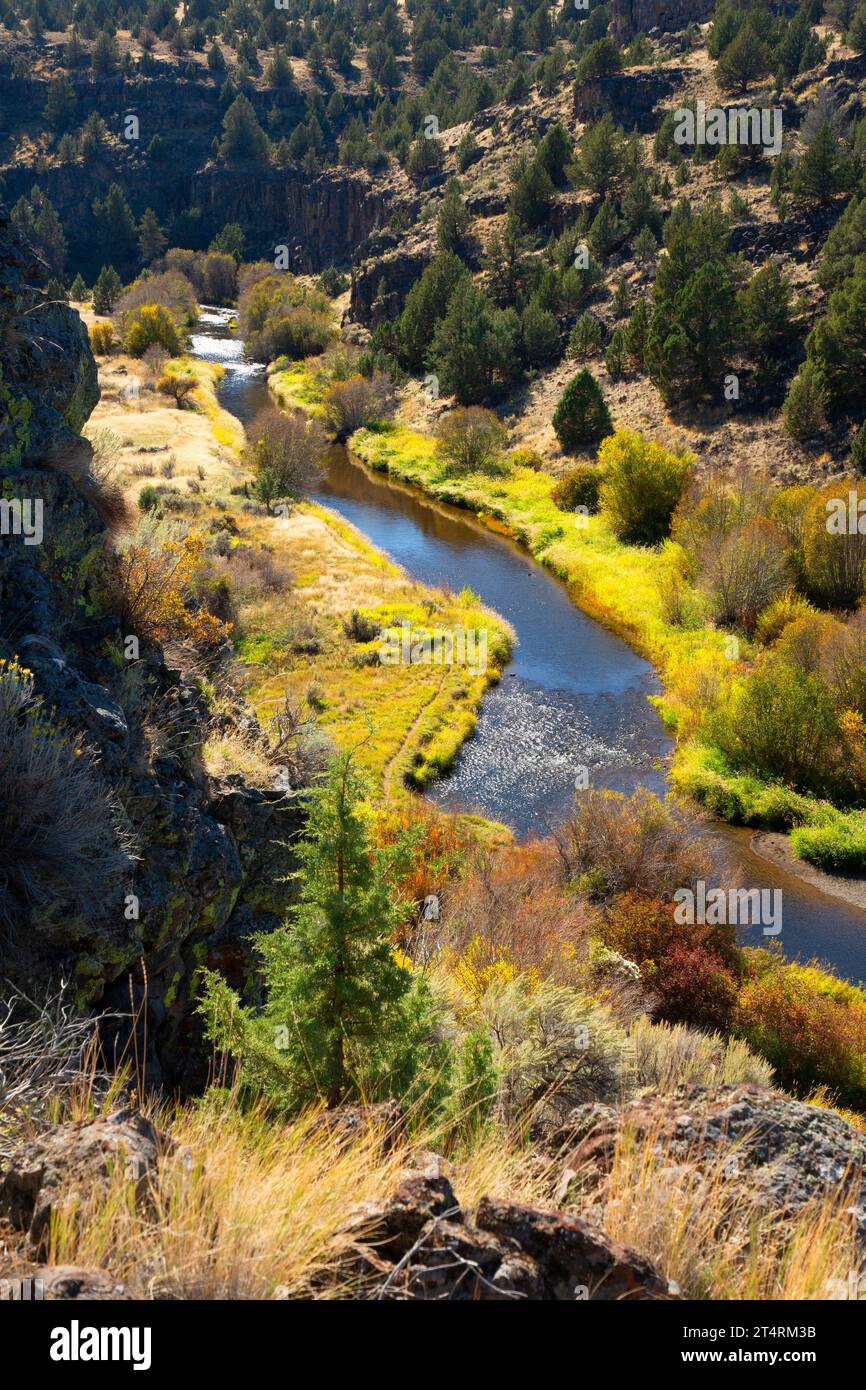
(620, 586)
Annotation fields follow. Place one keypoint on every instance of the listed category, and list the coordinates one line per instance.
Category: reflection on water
(573, 695)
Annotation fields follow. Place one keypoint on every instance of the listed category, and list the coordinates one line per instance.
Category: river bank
(575, 694)
(294, 583)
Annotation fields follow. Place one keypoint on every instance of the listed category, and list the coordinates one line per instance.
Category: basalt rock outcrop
(420, 1246)
(632, 17)
(198, 867)
(57, 1170)
(47, 373)
(386, 267)
(321, 220)
(630, 97)
(784, 1152)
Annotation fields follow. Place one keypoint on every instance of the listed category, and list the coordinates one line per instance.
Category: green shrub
(472, 440)
(581, 416)
(579, 487)
(642, 486)
(526, 458)
(838, 848)
(778, 614)
(151, 325)
(781, 722)
(148, 499)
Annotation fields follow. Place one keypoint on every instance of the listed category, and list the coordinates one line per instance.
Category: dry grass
(702, 1226)
(244, 1207)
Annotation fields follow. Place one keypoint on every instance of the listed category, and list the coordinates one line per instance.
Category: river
(574, 694)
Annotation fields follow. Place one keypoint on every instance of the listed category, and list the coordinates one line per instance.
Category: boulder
(63, 1283)
(56, 1170)
(419, 1246)
(788, 1153)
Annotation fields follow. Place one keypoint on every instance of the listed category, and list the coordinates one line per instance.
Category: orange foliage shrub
(512, 905)
(440, 848)
(810, 1026)
(153, 580)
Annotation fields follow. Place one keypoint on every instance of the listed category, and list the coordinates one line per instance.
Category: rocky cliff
(632, 17)
(178, 872)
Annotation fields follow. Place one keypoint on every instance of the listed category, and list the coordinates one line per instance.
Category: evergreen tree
(151, 237)
(78, 290)
(856, 35)
(836, 347)
(765, 313)
(38, 220)
(103, 59)
(243, 140)
(116, 232)
(581, 416)
(426, 304)
(61, 104)
(824, 169)
(532, 193)
(107, 290)
(804, 412)
(693, 326)
(342, 1019)
(744, 60)
(476, 348)
(555, 152)
(453, 220)
(540, 331)
(230, 241)
(600, 159)
(507, 264)
(606, 230)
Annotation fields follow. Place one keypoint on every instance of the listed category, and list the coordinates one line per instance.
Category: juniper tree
(581, 416)
(106, 291)
(343, 1018)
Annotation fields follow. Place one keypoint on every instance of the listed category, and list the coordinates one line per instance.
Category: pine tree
(107, 290)
(38, 220)
(581, 416)
(78, 290)
(555, 153)
(744, 60)
(116, 232)
(476, 348)
(541, 337)
(804, 412)
(507, 264)
(231, 241)
(824, 170)
(104, 56)
(343, 1018)
(453, 219)
(243, 140)
(426, 304)
(532, 193)
(151, 237)
(600, 160)
(61, 103)
(606, 230)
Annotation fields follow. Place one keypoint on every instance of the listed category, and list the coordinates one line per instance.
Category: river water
(574, 694)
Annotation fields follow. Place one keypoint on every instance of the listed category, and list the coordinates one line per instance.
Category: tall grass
(700, 1222)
